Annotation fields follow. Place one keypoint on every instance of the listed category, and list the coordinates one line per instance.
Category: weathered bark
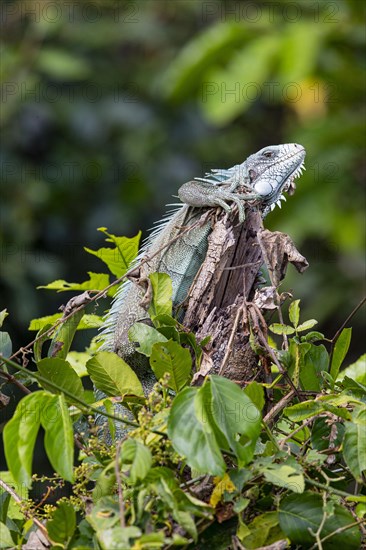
(217, 300)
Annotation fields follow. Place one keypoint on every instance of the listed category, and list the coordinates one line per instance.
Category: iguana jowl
(261, 179)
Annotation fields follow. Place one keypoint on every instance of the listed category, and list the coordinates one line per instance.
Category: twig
(270, 435)
(278, 364)
(122, 508)
(280, 317)
(353, 312)
(193, 481)
(331, 490)
(321, 525)
(340, 530)
(336, 336)
(298, 429)
(85, 406)
(102, 293)
(249, 264)
(14, 381)
(25, 512)
(231, 339)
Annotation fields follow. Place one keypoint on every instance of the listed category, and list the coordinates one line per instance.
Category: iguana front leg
(262, 177)
(201, 194)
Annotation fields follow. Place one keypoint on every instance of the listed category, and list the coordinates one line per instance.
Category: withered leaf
(278, 250)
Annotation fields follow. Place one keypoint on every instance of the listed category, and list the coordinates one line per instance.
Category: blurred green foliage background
(108, 107)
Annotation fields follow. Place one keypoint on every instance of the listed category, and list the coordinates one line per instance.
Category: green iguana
(261, 179)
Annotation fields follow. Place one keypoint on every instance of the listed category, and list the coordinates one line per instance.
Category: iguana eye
(268, 154)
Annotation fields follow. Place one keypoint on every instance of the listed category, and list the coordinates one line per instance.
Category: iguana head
(272, 170)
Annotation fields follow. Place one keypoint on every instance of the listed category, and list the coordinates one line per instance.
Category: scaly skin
(262, 178)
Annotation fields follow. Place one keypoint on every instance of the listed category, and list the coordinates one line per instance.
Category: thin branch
(278, 364)
(193, 481)
(336, 336)
(270, 435)
(341, 530)
(321, 525)
(85, 406)
(102, 293)
(294, 432)
(249, 264)
(10, 378)
(280, 317)
(231, 339)
(353, 312)
(122, 508)
(331, 490)
(25, 512)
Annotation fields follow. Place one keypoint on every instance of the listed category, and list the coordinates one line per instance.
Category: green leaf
(191, 433)
(155, 540)
(294, 312)
(145, 336)
(279, 328)
(20, 436)
(41, 322)
(77, 360)
(354, 444)
(356, 371)
(63, 523)
(185, 73)
(186, 521)
(6, 345)
(285, 476)
(62, 65)
(97, 281)
(313, 364)
(111, 424)
(297, 354)
(296, 61)
(59, 436)
(333, 403)
(38, 345)
(87, 322)
(170, 357)
(117, 259)
(105, 481)
(323, 433)
(113, 376)
(138, 457)
(356, 388)
(298, 514)
(161, 303)
(118, 538)
(13, 511)
(105, 515)
(312, 336)
(166, 321)
(3, 314)
(90, 321)
(6, 540)
(307, 325)
(303, 410)
(236, 416)
(340, 351)
(226, 91)
(255, 392)
(262, 531)
(61, 373)
(64, 335)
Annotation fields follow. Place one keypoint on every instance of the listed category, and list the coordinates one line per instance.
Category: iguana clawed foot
(203, 194)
